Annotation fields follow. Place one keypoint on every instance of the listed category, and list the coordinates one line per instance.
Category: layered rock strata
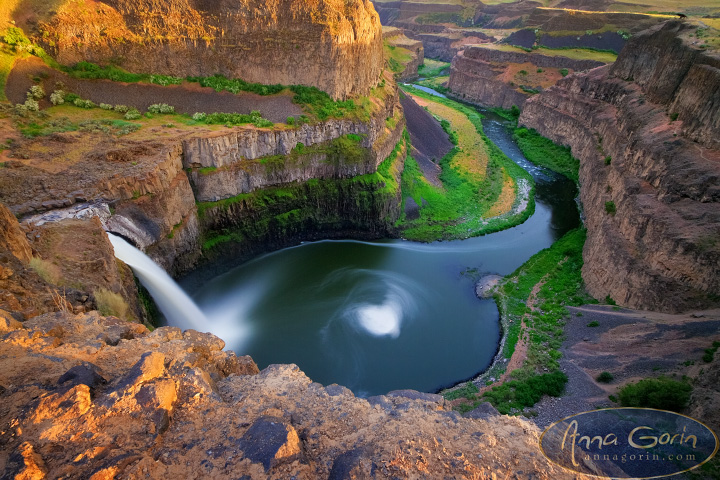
(487, 76)
(148, 190)
(396, 38)
(646, 132)
(334, 45)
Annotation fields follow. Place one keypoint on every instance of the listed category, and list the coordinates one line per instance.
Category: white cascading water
(174, 303)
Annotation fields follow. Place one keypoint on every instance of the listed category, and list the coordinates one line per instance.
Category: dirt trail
(186, 98)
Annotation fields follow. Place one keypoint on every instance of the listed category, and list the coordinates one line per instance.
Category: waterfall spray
(177, 307)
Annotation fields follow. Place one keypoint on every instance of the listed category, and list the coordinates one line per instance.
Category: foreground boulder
(171, 404)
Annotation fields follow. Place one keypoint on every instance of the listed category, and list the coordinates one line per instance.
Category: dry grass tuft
(111, 303)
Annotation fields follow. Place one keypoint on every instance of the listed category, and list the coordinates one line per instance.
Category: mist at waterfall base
(177, 307)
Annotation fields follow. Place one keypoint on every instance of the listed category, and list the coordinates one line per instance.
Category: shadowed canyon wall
(646, 131)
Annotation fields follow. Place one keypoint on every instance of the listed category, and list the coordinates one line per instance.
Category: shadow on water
(392, 314)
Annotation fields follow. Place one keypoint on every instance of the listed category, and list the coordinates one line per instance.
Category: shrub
(111, 303)
(469, 391)
(710, 352)
(165, 80)
(608, 160)
(515, 111)
(121, 108)
(161, 108)
(31, 105)
(673, 117)
(609, 300)
(523, 72)
(106, 106)
(290, 120)
(539, 70)
(564, 72)
(199, 116)
(79, 102)
(610, 207)
(37, 92)
(605, 377)
(47, 271)
(662, 393)
(57, 97)
(132, 114)
(593, 324)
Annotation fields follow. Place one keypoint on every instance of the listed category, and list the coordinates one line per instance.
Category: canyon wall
(646, 132)
(500, 78)
(170, 194)
(334, 45)
(395, 39)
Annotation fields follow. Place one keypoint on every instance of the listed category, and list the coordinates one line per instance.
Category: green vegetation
(557, 269)
(320, 104)
(710, 352)
(542, 151)
(231, 119)
(662, 393)
(315, 101)
(605, 377)
(593, 324)
(433, 68)
(37, 127)
(281, 212)
(608, 160)
(458, 210)
(564, 72)
(397, 57)
(610, 207)
(574, 53)
(515, 395)
(469, 391)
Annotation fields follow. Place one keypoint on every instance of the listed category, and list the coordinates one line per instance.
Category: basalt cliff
(334, 45)
(497, 78)
(646, 130)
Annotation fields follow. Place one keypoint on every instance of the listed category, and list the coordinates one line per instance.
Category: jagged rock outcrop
(61, 265)
(94, 397)
(334, 45)
(488, 76)
(646, 132)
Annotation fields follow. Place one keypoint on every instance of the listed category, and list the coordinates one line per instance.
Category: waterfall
(174, 303)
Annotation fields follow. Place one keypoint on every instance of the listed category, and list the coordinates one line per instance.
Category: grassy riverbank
(482, 191)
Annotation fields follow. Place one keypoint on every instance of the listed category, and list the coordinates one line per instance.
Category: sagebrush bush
(161, 108)
(82, 103)
(57, 97)
(37, 92)
(111, 303)
(121, 108)
(132, 114)
(199, 116)
(106, 106)
(32, 105)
